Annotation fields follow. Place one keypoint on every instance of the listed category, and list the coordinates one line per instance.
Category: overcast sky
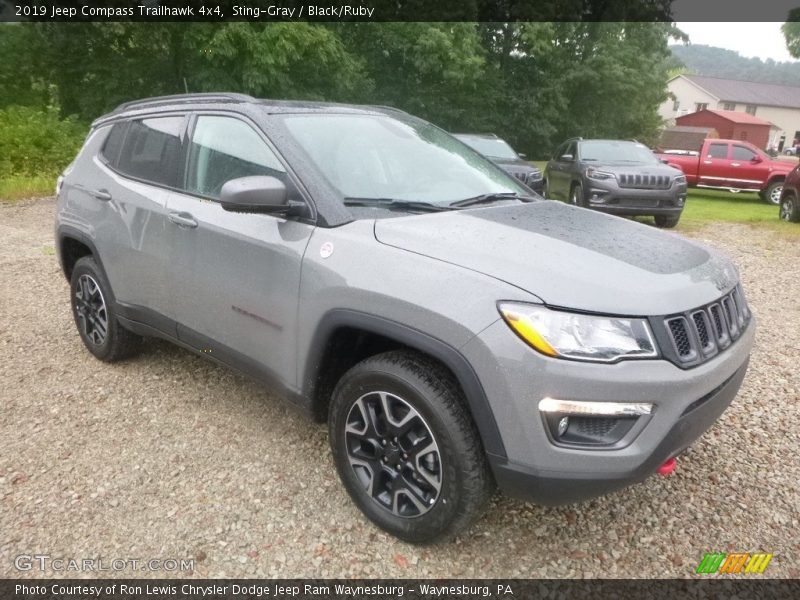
(762, 40)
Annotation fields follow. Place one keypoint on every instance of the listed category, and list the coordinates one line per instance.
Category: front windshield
(617, 152)
(377, 156)
(494, 147)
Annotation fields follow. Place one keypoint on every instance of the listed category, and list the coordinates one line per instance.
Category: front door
(715, 166)
(235, 276)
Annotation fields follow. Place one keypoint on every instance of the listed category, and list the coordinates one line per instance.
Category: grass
(18, 187)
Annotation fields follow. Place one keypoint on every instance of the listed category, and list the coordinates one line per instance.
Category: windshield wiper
(492, 197)
(395, 204)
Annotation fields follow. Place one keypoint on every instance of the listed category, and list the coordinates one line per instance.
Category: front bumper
(686, 402)
(550, 489)
(608, 197)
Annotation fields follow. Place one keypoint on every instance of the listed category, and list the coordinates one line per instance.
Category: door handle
(736, 164)
(708, 162)
(103, 194)
(182, 219)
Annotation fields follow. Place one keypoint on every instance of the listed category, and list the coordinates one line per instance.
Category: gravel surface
(169, 456)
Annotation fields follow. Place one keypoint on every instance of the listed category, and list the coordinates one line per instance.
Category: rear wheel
(666, 221)
(94, 314)
(772, 193)
(790, 209)
(406, 448)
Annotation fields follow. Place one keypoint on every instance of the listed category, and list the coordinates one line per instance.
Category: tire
(93, 310)
(666, 221)
(424, 498)
(790, 209)
(576, 195)
(772, 193)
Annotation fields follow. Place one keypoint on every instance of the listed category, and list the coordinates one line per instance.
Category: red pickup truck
(734, 165)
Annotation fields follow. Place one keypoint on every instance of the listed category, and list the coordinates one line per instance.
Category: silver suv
(456, 333)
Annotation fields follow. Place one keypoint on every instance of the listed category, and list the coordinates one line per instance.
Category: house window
(729, 106)
(676, 104)
(698, 106)
(751, 109)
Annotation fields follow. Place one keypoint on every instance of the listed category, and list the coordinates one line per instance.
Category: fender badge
(326, 250)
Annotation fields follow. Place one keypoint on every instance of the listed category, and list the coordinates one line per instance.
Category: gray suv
(456, 333)
(617, 177)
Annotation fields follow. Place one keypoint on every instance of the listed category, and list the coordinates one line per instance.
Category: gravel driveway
(170, 456)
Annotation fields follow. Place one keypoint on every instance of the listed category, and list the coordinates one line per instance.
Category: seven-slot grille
(699, 334)
(644, 182)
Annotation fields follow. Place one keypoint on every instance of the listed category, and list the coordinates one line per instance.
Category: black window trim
(290, 174)
(140, 117)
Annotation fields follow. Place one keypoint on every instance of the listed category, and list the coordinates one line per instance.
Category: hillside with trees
(532, 83)
(727, 64)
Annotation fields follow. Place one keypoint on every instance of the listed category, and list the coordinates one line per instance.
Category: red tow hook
(668, 467)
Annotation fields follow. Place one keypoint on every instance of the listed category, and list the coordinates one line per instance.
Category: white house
(778, 104)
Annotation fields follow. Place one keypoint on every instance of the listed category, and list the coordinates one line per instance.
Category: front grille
(644, 182)
(527, 176)
(700, 334)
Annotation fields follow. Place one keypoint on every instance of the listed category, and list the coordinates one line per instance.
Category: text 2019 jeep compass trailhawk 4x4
(455, 332)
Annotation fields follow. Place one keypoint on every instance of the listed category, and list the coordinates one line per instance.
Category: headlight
(579, 336)
(680, 179)
(593, 173)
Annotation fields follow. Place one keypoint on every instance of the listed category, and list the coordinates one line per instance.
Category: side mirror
(756, 159)
(567, 157)
(664, 160)
(255, 194)
(521, 155)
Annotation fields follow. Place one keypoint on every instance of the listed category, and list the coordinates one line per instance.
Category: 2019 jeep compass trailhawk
(455, 332)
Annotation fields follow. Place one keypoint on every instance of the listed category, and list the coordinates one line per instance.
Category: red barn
(731, 125)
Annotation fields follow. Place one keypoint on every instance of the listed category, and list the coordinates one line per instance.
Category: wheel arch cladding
(345, 337)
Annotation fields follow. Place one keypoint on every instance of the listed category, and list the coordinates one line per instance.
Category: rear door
(142, 160)
(234, 276)
(715, 165)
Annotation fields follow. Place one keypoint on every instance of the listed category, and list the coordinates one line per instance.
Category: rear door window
(152, 150)
(225, 148)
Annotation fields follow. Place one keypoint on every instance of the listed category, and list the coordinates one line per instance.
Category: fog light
(562, 426)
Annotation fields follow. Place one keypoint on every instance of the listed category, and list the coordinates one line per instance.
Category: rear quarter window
(152, 150)
(113, 143)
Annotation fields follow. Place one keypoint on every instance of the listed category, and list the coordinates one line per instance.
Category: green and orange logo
(739, 562)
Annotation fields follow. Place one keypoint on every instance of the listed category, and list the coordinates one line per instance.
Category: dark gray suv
(503, 155)
(617, 177)
(455, 332)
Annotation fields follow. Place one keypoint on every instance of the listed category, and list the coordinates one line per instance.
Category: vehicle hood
(511, 164)
(569, 257)
(783, 166)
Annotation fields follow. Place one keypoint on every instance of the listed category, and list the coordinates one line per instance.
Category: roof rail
(184, 98)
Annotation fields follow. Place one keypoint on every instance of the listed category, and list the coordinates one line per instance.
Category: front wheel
(666, 221)
(772, 193)
(406, 448)
(576, 195)
(790, 209)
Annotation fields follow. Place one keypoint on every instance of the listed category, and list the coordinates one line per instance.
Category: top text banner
(400, 10)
